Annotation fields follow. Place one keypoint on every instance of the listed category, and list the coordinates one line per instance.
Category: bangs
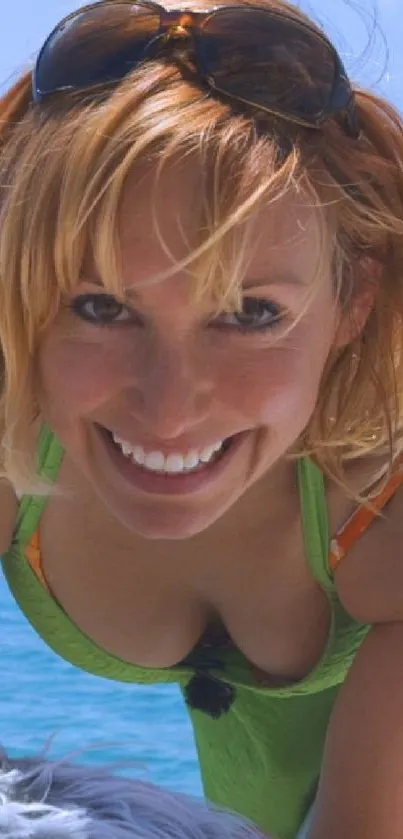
(215, 256)
(109, 142)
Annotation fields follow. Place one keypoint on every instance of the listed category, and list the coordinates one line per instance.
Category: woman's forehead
(169, 202)
(162, 222)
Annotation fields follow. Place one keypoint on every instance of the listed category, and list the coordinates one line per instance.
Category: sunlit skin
(173, 376)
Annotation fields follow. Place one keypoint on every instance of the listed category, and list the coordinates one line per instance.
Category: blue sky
(25, 24)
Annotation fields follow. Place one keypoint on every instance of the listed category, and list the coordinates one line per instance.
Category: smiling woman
(163, 372)
(201, 310)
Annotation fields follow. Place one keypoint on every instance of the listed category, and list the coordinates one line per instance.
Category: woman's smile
(176, 474)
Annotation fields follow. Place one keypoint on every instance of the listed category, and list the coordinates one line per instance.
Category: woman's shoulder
(369, 579)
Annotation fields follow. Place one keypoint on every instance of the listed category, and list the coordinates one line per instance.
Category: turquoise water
(145, 729)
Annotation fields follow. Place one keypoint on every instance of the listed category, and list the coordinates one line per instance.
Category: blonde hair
(63, 167)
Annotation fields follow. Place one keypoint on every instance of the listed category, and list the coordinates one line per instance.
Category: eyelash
(274, 311)
(79, 304)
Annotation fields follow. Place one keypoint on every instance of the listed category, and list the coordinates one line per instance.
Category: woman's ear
(355, 312)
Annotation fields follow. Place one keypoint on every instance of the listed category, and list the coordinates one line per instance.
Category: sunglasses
(257, 57)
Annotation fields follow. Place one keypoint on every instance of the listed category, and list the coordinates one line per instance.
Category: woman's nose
(173, 393)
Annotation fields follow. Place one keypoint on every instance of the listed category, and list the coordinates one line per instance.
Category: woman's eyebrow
(275, 278)
(272, 278)
(130, 291)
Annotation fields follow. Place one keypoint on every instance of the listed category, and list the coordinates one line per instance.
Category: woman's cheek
(78, 376)
(273, 383)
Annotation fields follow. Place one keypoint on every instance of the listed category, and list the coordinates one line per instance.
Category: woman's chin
(163, 524)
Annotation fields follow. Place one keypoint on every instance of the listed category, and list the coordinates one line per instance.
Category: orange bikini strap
(362, 517)
(34, 559)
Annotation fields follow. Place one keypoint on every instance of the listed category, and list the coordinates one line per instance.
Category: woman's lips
(167, 484)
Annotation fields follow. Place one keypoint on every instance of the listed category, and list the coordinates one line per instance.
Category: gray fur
(44, 800)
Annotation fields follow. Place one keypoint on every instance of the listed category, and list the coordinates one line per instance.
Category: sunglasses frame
(180, 24)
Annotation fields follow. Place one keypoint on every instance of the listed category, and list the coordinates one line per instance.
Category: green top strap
(49, 458)
(312, 499)
(315, 525)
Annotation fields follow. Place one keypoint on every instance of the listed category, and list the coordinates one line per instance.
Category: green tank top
(262, 758)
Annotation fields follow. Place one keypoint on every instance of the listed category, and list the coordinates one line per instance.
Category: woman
(201, 306)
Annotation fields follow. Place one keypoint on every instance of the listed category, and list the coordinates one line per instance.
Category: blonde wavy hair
(63, 167)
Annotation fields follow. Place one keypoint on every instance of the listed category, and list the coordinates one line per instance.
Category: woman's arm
(361, 790)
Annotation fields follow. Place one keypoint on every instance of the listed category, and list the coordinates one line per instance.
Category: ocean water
(144, 730)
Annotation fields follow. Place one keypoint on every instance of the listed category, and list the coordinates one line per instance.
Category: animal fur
(45, 800)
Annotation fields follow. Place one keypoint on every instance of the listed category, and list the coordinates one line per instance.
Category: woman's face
(201, 405)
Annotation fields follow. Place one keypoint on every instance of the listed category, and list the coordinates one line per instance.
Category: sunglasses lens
(269, 61)
(97, 46)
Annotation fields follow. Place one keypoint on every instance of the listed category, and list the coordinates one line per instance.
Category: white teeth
(191, 460)
(155, 461)
(173, 464)
(138, 454)
(207, 454)
(176, 463)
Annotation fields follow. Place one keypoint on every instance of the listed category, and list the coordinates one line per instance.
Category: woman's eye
(256, 315)
(102, 309)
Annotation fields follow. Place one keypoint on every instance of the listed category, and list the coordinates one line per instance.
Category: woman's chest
(151, 603)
